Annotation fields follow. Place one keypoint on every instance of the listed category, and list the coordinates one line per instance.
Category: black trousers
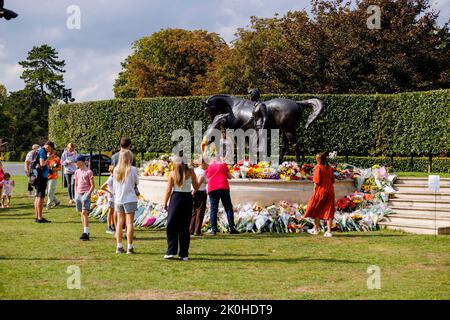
(214, 198)
(198, 212)
(178, 220)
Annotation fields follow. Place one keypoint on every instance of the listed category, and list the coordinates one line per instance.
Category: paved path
(14, 168)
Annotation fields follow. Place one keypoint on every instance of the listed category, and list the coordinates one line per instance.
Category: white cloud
(10, 76)
(91, 73)
(94, 53)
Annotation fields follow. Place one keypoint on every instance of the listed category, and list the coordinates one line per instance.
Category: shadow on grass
(9, 215)
(368, 235)
(271, 260)
(14, 207)
(50, 259)
(234, 255)
(150, 238)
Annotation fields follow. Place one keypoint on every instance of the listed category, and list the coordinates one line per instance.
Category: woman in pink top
(219, 189)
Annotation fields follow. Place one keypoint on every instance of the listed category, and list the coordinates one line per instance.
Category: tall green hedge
(354, 124)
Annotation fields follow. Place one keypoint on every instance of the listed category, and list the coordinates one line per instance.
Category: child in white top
(108, 186)
(8, 185)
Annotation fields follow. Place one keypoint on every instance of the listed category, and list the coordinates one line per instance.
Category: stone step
(412, 214)
(429, 203)
(425, 223)
(420, 181)
(415, 229)
(420, 209)
(419, 188)
(421, 195)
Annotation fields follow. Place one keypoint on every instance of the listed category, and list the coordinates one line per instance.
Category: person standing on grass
(28, 159)
(125, 198)
(54, 165)
(2, 177)
(199, 200)
(322, 204)
(68, 160)
(179, 184)
(108, 186)
(218, 174)
(125, 145)
(8, 185)
(40, 170)
(84, 185)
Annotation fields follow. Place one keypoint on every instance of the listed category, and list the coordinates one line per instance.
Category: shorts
(6, 193)
(83, 202)
(111, 204)
(129, 207)
(41, 186)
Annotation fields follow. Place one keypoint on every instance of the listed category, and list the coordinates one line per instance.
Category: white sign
(434, 183)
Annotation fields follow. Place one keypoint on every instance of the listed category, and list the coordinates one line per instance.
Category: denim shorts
(111, 204)
(83, 201)
(129, 207)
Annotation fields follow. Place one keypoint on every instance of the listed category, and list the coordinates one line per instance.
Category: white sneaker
(184, 259)
(169, 256)
(314, 232)
(327, 235)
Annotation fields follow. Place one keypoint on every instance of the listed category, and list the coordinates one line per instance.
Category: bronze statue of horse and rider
(284, 114)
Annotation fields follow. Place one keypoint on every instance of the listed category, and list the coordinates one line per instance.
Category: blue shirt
(43, 155)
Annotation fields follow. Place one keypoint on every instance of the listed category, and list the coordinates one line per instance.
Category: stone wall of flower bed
(397, 124)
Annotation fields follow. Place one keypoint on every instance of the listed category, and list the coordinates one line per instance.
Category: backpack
(35, 168)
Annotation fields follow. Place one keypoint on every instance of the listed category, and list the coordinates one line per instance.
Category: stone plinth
(265, 192)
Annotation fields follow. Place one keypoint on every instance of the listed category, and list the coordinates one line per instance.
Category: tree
(27, 124)
(43, 72)
(3, 92)
(171, 62)
(332, 50)
(7, 120)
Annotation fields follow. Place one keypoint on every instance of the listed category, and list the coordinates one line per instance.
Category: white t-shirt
(199, 172)
(126, 192)
(110, 185)
(29, 156)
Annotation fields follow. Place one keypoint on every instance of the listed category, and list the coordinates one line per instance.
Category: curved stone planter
(265, 192)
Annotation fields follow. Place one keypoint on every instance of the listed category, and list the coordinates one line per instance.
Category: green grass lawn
(421, 174)
(34, 259)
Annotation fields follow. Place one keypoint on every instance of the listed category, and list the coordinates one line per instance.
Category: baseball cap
(80, 157)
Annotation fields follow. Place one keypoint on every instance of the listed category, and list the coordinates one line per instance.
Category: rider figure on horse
(260, 114)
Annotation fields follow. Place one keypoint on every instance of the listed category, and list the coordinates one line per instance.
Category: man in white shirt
(28, 160)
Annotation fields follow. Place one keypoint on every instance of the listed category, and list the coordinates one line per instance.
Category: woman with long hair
(180, 209)
(322, 204)
(125, 200)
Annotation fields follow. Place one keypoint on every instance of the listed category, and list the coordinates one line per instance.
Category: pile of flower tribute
(288, 170)
(360, 211)
(159, 167)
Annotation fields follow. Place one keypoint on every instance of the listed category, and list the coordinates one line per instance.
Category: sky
(94, 53)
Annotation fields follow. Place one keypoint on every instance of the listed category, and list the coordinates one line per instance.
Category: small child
(8, 185)
(2, 177)
(108, 186)
(84, 185)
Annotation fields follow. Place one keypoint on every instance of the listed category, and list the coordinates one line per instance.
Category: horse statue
(283, 114)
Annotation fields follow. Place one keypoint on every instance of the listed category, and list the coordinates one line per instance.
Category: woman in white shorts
(125, 199)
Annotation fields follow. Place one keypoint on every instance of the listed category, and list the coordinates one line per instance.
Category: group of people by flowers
(190, 186)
